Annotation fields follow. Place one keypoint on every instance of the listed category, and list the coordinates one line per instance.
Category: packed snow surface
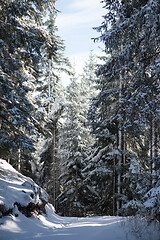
(14, 187)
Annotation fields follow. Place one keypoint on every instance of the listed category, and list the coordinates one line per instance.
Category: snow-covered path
(54, 227)
(18, 189)
(94, 229)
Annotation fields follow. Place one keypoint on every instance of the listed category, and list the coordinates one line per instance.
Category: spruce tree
(49, 97)
(72, 152)
(22, 40)
(75, 142)
(124, 116)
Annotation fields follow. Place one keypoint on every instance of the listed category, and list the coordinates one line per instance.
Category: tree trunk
(114, 187)
(49, 85)
(19, 160)
(153, 148)
(54, 163)
(120, 157)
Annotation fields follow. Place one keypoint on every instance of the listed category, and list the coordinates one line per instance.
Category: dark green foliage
(74, 144)
(124, 116)
(21, 41)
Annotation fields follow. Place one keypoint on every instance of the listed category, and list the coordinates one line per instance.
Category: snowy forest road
(92, 229)
(16, 190)
(64, 228)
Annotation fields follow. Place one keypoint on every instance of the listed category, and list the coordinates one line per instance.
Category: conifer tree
(122, 115)
(75, 142)
(22, 39)
(50, 102)
(72, 152)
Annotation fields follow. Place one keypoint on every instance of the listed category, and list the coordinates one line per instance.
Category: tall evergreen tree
(48, 160)
(49, 102)
(124, 116)
(75, 142)
(72, 152)
(22, 39)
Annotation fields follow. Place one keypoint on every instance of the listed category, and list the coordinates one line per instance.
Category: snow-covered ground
(15, 188)
(53, 227)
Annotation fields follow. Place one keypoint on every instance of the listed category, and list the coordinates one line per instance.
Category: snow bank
(18, 190)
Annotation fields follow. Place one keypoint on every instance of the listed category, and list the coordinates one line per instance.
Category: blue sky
(75, 24)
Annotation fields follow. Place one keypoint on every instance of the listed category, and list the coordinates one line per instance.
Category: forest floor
(16, 188)
(54, 227)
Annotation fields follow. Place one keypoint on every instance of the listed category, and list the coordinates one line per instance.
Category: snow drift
(18, 191)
